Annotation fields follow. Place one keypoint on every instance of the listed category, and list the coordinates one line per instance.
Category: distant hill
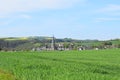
(27, 43)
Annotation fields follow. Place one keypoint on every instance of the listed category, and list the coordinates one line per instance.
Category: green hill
(27, 43)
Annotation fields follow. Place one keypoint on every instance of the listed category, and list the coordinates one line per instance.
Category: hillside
(28, 43)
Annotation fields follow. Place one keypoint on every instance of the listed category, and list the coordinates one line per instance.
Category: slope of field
(62, 65)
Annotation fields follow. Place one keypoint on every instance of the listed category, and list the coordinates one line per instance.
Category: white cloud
(106, 19)
(3, 16)
(110, 8)
(10, 6)
(112, 11)
(5, 22)
(25, 16)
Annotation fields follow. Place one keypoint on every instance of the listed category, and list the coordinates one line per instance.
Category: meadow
(60, 65)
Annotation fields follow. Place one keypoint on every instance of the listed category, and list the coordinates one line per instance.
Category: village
(61, 46)
(53, 43)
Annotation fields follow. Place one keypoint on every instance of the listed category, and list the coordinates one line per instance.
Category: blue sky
(78, 19)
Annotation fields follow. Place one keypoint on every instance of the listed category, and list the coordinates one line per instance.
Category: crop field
(60, 65)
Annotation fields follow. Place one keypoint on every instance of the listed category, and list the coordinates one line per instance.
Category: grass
(61, 65)
(14, 39)
(6, 76)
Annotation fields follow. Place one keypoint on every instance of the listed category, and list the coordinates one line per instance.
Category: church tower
(53, 43)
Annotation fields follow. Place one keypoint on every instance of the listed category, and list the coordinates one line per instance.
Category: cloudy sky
(79, 19)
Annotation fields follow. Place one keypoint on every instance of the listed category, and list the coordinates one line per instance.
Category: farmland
(60, 65)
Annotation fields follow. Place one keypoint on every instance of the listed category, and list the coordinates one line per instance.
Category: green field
(60, 65)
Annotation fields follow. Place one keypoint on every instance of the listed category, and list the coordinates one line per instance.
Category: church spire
(53, 43)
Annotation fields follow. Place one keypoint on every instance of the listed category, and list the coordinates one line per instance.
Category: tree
(107, 43)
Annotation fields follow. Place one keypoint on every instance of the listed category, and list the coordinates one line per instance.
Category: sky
(77, 19)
